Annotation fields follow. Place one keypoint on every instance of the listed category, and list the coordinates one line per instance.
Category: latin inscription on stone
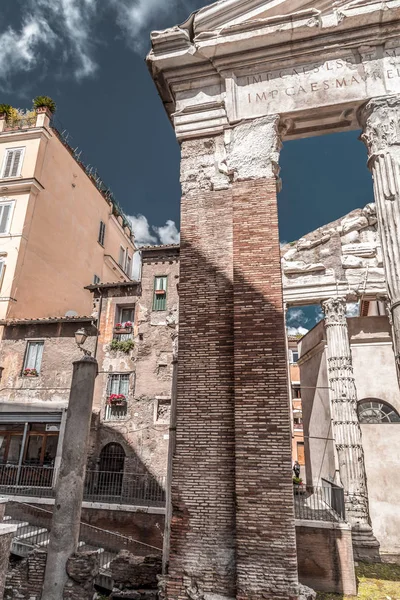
(349, 78)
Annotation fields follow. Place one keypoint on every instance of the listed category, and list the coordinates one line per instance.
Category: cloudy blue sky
(89, 56)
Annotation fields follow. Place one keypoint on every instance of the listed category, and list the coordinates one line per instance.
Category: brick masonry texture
(265, 532)
(5, 544)
(325, 557)
(232, 530)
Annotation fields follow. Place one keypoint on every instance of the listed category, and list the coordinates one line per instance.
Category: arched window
(373, 410)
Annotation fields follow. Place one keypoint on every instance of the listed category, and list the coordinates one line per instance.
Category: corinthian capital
(380, 122)
(335, 311)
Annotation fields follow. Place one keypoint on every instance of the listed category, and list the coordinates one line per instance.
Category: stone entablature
(207, 85)
(343, 257)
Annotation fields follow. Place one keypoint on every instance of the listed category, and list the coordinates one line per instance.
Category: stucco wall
(382, 461)
(60, 226)
(318, 442)
(371, 344)
(54, 380)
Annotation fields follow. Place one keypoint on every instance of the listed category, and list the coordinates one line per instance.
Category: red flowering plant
(128, 324)
(118, 326)
(30, 373)
(116, 400)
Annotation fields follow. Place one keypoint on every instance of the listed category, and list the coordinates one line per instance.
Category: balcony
(319, 503)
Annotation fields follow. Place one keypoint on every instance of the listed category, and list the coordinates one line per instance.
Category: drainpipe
(21, 454)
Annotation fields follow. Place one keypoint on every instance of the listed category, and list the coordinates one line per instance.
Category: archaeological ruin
(238, 79)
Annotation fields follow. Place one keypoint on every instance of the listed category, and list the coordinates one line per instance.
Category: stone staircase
(28, 537)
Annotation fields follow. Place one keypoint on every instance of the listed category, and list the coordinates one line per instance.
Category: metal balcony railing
(319, 503)
(111, 487)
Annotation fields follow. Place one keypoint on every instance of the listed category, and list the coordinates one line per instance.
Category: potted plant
(124, 346)
(298, 486)
(43, 103)
(30, 373)
(118, 326)
(116, 400)
(128, 325)
(6, 110)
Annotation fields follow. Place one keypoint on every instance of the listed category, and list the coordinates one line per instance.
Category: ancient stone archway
(236, 79)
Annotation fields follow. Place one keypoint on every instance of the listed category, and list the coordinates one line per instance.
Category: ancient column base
(365, 545)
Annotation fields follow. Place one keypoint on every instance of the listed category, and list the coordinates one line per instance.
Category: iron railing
(112, 487)
(319, 503)
(34, 524)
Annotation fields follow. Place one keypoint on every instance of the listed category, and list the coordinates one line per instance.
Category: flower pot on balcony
(116, 400)
(160, 292)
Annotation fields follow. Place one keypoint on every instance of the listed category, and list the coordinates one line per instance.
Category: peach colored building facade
(296, 406)
(58, 232)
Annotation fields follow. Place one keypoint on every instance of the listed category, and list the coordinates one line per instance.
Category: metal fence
(319, 503)
(112, 487)
(34, 525)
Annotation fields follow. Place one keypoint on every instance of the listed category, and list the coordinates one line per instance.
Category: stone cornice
(20, 185)
(22, 135)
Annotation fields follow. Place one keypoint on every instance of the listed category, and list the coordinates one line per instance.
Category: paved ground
(375, 582)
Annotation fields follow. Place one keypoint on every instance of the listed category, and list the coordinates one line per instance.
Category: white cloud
(168, 234)
(297, 331)
(18, 48)
(141, 229)
(71, 26)
(319, 314)
(296, 315)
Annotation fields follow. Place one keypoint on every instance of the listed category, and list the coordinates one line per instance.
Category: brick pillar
(265, 532)
(202, 538)
(232, 528)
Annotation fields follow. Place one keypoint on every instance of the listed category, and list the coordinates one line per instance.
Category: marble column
(345, 424)
(380, 121)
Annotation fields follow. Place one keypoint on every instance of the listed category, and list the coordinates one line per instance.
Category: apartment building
(60, 229)
(296, 406)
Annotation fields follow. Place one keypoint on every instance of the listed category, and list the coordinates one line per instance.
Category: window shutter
(4, 215)
(9, 160)
(2, 270)
(16, 162)
(102, 232)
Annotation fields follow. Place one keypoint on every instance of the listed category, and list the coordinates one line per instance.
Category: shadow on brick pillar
(265, 531)
(232, 527)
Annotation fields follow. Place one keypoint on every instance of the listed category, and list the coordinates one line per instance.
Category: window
(296, 392)
(118, 384)
(300, 453)
(96, 279)
(2, 271)
(33, 356)
(102, 233)
(124, 315)
(121, 261)
(128, 268)
(5, 216)
(294, 356)
(160, 293)
(13, 162)
(373, 410)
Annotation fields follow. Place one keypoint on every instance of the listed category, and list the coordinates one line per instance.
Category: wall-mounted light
(80, 337)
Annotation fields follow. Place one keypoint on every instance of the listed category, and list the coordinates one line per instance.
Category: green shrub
(46, 101)
(122, 345)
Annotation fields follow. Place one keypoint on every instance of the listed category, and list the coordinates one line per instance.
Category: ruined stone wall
(25, 579)
(346, 252)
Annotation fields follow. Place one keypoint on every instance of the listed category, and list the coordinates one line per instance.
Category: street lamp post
(64, 534)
